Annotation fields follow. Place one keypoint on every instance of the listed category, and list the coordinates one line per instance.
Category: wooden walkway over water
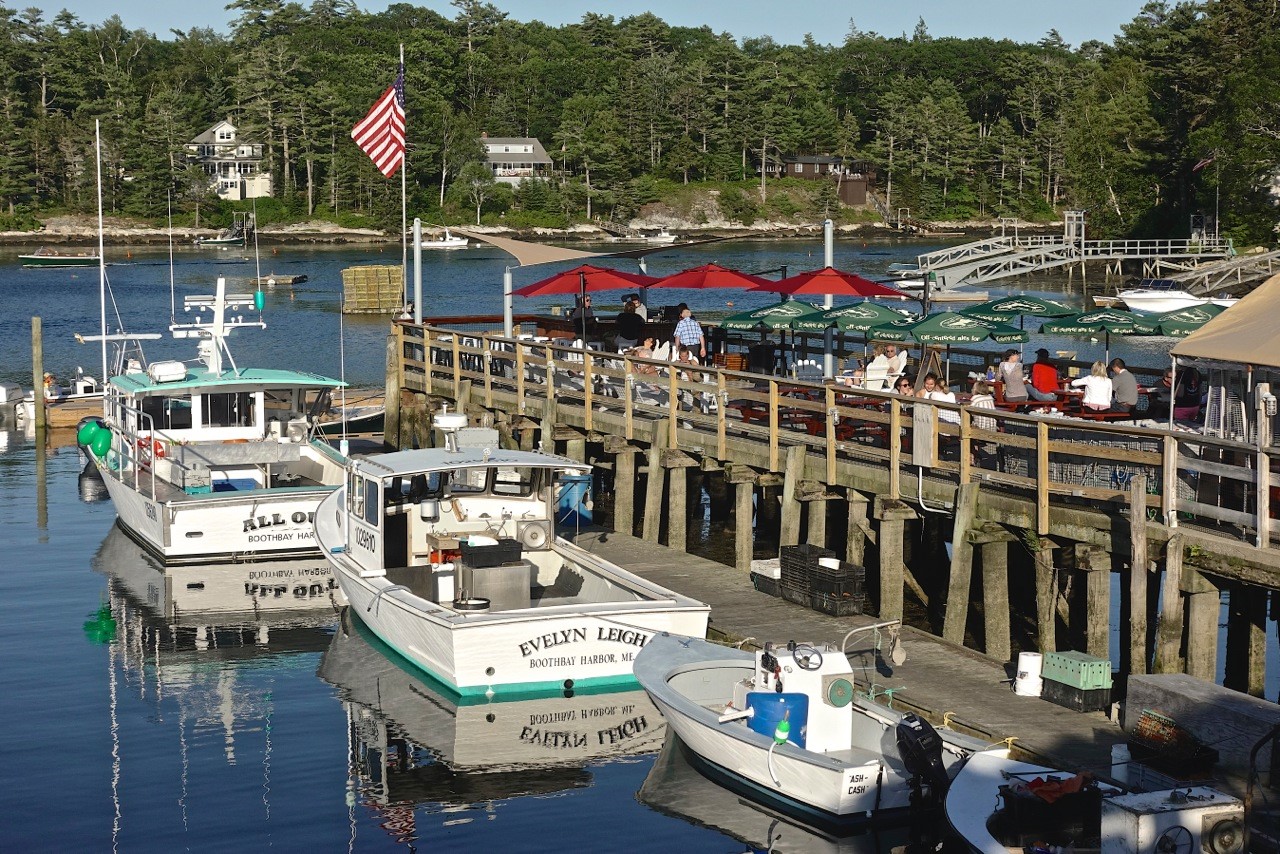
(1038, 512)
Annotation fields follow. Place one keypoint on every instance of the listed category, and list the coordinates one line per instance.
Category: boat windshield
(517, 481)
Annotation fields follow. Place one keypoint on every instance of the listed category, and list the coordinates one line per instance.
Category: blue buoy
(771, 709)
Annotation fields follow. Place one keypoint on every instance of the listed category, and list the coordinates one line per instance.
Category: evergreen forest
(1178, 116)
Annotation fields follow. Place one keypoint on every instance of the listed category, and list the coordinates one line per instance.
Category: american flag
(1203, 163)
(380, 134)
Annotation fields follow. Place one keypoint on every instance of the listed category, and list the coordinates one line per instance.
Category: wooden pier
(1003, 529)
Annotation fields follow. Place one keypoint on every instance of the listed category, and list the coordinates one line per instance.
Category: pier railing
(1219, 485)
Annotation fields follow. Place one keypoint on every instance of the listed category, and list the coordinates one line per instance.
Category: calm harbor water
(139, 723)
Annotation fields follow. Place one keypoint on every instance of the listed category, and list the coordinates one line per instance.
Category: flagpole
(404, 206)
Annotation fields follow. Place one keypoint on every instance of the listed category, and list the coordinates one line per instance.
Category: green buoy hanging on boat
(87, 432)
(100, 443)
(101, 626)
(259, 299)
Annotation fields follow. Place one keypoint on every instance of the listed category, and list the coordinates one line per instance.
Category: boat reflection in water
(195, 660)
(221, 595)
(418, 750)
(674, 787)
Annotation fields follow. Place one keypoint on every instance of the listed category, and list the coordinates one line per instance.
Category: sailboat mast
(102, 259)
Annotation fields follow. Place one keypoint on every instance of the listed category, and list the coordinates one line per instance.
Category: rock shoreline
(82, 231)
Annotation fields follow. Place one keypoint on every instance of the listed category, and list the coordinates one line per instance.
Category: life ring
(148, 449)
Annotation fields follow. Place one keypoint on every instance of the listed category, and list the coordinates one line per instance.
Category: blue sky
(786, 22)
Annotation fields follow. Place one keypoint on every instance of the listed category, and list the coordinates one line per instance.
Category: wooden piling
(1046, 595)
(1169, 633)
(744, 481)
(789, 534)
(1096, 567)
(653, 488)
(675, 464)
(893, 516)
(859, 529)
(1246, 640)
(391, 394)
(996, 608)
(37, 371)
(1203, 607)
(1138, 575)
(624, 483)
(957, 607)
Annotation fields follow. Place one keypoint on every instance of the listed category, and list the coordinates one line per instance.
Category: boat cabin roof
(249, 378)
(404, 463)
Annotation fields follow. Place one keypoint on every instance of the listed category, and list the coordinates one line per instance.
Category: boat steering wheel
(811, 660)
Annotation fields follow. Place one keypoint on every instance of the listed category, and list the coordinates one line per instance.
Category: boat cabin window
(232, 409)
(278, 403)
(167, 413)
(371, 491)
(515, 481)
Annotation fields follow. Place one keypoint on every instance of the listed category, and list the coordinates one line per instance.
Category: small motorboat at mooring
(785, 726)
(1156, 296)
(46, 257)
(445, 241)
(449, 555)
(662, 238)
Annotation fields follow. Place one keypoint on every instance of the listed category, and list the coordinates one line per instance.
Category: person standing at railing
(689, 333)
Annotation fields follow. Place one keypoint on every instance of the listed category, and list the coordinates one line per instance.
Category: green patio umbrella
(1107, 320)
(858, 317)
(780, 315)
(1003, 310)
(948, 328)
(1181, 322)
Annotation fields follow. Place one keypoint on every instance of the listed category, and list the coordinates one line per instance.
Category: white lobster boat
(449, 556)
(210, 464)
(785, 726)
(448, 240)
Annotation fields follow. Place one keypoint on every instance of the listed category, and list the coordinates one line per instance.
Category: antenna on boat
(344, 444)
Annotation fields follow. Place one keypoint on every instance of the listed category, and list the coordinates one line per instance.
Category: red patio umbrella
(712, 276)
(829, 280)
(585, 278)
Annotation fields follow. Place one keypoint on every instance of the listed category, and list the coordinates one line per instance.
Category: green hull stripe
(474, 696)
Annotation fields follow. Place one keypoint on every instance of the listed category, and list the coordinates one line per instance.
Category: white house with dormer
(234, 165)
(514, 158)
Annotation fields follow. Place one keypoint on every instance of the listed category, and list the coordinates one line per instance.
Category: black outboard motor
(920, 747)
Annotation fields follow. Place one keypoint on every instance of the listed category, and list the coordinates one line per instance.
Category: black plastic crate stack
(799, 564)
(504, 552)
(840, 590)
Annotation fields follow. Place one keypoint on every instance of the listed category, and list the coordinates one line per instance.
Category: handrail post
(966, 445)
(520, 402)
(673, 405)
(895, 449)
(831, 434)
(773, 425)
(457, 366)
(629, 397)
(1169, 500)
(722, 417)
(587, 388)
(1042, 478)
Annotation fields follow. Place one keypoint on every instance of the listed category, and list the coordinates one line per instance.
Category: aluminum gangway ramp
(1002, 257)
(1238, 272)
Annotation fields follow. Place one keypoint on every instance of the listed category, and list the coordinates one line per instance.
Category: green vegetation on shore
(1179, 116)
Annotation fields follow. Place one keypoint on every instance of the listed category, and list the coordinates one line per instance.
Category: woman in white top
(1097, 388)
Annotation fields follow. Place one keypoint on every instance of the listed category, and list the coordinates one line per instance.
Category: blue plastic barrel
(771, 708)
(572, 504)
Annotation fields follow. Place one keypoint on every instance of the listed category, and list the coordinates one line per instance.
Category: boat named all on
(785, 726)
(450, 557)
(1156, 296)
(211, 462)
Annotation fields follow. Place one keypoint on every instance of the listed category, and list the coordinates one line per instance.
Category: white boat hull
(864, 781)
(1160, 301)
(529, 650)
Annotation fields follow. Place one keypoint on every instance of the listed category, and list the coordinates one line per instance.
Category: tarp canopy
(1244, 334)
(526, 253)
